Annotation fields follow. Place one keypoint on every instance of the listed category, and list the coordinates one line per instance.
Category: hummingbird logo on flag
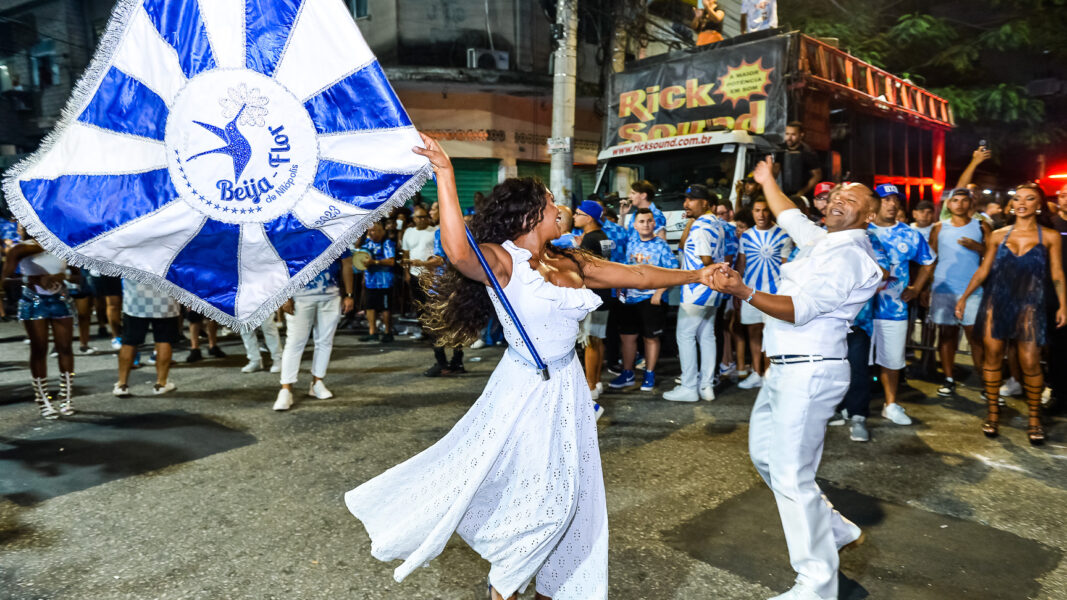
(237, 146)
(223, 151)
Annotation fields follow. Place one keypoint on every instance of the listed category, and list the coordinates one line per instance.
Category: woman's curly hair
(456, 308)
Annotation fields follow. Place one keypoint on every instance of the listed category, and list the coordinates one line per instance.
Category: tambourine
(360, 258)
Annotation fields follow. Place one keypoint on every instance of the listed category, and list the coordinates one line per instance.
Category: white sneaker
(121, 390)
(276, 367)
(707, 393)
(252, 367)
(318, 390)
(727, 370)
(798, 592)
(681, 394)
(1011, 388)
(417, 335)
(284, 401)
(598, 411)
(599, 388)
(159, 390)
(752, 381)
(595, 394)
(895, 413)
(478, 344)
(116, 343)
(1046, 396)
(857, 431)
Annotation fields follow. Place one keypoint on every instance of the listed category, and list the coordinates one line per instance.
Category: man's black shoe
(194, 356)
(216, 352)
(436, 370)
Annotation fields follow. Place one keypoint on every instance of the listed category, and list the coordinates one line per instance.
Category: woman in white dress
(518, 477)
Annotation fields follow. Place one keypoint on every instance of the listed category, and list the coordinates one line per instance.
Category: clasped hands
(721, 278)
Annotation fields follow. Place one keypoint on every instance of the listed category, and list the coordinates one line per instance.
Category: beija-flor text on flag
(225, 151)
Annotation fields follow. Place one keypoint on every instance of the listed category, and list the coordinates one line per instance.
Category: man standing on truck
(641, 194)
(819, 295)
(800, 165)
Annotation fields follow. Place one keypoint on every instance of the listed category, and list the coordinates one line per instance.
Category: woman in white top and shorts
(45, 303)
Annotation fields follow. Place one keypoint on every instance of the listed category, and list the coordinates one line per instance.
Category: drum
(360, 258)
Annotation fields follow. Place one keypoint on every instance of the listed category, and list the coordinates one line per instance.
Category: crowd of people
(959, 272)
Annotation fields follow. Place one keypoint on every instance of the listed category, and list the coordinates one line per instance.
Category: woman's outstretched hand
(433, 151)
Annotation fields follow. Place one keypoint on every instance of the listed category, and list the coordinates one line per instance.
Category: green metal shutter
(529, 168)
(472, 175)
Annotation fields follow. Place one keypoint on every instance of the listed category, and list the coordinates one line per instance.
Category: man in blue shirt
(378, 281)
(902, 245)
(644, 311)
(855, 406)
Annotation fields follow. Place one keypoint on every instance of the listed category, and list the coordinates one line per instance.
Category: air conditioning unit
(484, 58)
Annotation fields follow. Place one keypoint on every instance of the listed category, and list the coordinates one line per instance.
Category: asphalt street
(207, 493)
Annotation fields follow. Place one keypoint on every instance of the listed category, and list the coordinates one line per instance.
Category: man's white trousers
(785, 440)
(696, 327)
(270, 336)
(321, 313)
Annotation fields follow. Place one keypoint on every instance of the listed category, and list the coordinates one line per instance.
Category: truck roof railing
(824, 66)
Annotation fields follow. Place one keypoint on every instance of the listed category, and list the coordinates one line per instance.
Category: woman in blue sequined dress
(1023, 275)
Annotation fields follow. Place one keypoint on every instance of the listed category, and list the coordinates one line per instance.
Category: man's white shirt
(419, 244)
(834, 275)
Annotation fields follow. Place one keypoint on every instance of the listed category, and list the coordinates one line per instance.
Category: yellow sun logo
(744, 81)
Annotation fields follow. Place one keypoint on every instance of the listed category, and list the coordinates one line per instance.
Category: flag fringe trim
(82, 94)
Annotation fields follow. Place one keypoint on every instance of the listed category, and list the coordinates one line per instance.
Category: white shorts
(595, 324)
(888, 342)
(750, 315)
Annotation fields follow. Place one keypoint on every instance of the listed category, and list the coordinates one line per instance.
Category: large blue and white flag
(225, 151)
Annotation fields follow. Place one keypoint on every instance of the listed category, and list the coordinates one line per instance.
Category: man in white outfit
(317, 308)
(704, 244)
(819, 295)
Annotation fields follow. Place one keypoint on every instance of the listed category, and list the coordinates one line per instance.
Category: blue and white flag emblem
(225, 151)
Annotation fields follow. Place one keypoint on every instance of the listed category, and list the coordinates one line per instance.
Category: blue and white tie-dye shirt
(657, 214)
(731, 242)
(617, 234)
(707, 237)
(326, 283)
(379, 277)
(9, 230)
(566, 241)
(902, 245)
(865, 318)
(653, 252)
(764, 251)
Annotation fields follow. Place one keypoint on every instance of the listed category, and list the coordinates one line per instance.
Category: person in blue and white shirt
(704, 245)
(762, 251)
(644, 312)
(641, 194)
(902, 245)
(819, 295)
(318, 305)
(378, 282)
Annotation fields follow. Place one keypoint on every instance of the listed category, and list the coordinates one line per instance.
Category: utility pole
(564, 79)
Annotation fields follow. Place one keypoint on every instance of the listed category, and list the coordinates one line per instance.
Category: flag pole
(541, 367)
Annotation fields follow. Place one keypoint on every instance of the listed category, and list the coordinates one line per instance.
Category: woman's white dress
(518, 477)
